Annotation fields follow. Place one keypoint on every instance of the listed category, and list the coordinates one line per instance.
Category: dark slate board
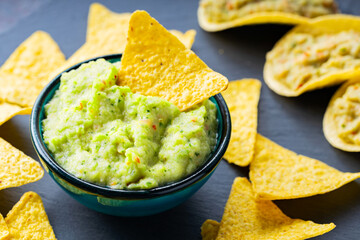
(295, 123)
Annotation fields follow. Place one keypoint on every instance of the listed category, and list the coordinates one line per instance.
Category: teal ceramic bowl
(121, 202)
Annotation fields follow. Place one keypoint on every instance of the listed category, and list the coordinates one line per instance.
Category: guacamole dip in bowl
(120, 152)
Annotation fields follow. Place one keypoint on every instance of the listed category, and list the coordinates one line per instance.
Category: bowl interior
(38, 115)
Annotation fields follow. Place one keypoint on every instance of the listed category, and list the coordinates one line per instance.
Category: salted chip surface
(209, 229)
(4, 230)
(156, 63)
(28, 219)
(7, 111)
(107, 34)
(16, 168)
(246, 217)
(242, 98)
(341, 119)
(319, 54)
(278, 173)
(26, 72)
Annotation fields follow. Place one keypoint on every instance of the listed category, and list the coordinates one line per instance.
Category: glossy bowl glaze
(122, 202)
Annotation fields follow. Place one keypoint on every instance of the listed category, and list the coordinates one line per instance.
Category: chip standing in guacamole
(107, 135)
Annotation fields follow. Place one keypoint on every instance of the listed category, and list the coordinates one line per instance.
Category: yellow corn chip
(16, 168)
(28, 219)
(258, 15)
(27, 70)
(340, 122)
(307, 57)
(4, 230)
(246, 217)
(7, 111)
(242, 97)
(186, 38)
(257, 18)
(209, 229)
(278, 173)
(156, 63)
(107, 34)
(105, 26)
(107, 29)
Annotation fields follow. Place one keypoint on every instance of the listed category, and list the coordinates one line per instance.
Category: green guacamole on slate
(105, 134)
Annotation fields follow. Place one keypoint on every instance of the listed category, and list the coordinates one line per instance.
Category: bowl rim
(44, 154)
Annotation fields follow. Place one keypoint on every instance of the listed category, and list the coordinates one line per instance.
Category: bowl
(121, 202)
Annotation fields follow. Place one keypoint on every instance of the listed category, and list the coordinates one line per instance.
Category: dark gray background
(295, 123)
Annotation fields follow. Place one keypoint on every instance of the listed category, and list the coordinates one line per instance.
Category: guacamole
(347, 115)
(227, 10)
(105, 134)
(304, 57)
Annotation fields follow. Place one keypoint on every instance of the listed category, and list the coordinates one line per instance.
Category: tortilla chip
(186, 38)
(105, 26)
(107, 34)
(278, 173)
(329, 124)
(242, 98)
(27, 70)
(7, 111)
(16, 168)
(156, 63)
(253, 18)
(256, 18)
(209, 229)
(331, 24)
(4, 230)
(246, 217)
(28, 219)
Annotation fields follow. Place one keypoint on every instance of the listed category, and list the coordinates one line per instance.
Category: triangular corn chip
(107, 34)
(26, 72)
(7, 111)
(156, 63)
(4, 230)
(259, 14)
(187, 38)
(16, 168)
(108, 29)
(209, 229)
(107, 26)
(28, 219)
(256, 18)
(278, 173)
(292, 68)
(242, 97)
(340, 122)
(246, 217)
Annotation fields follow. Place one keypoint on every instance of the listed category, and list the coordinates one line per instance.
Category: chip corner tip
(40, 33)
(96, 5)
(31, 194)
(140, 13)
